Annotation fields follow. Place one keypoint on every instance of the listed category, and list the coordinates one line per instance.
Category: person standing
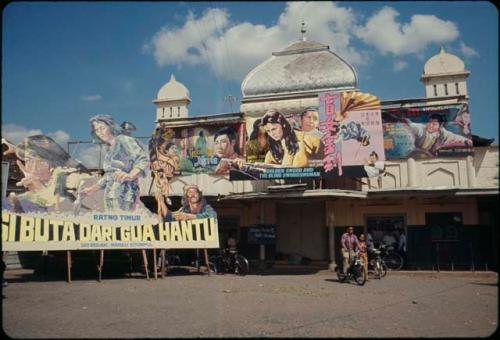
(402, 245)
(363, 253)
(349, 244)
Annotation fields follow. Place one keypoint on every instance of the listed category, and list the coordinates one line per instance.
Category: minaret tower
(172, 101)
(445, 76)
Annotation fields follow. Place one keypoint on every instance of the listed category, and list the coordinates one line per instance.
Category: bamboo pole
(145, 261)
(101, 263)
(206, 260)
(68, 263)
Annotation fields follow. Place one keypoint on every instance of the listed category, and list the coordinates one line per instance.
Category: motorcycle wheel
(393, 261)
(241, 266)
(383, 269)
(212, 267)
(360, 276)
(340, 275)
(215, 264)
(377, 269)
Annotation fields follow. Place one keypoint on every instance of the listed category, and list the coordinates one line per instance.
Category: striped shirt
(349, 242)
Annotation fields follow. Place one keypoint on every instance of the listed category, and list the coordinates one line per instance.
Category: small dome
(173, 90)
(304, 66)
(444, 63)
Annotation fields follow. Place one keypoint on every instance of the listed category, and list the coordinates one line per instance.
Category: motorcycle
(355, 271)
(230, 262)
(390, 257)
(376, 264)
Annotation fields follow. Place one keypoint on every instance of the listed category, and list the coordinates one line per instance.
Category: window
(445, 89)
(456, 88)
(444, 225)
(435, 90)
(384, 227)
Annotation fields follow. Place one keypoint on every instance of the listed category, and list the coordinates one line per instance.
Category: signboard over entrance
(262, 234)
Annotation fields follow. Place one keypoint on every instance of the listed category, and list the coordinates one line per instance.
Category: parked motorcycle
(376, 264)
(355, 272)
(391, 258)
(230, 262)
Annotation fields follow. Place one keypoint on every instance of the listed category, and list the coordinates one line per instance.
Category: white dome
(444, 63)
(302, 66)
(173, 90)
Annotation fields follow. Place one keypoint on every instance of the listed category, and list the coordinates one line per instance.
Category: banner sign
(341, 137)
(206, 149)
(65, 206)
(262, 234)
(30, 233)
(427, 132)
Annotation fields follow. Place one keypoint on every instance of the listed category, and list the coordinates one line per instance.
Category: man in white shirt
(373, 167)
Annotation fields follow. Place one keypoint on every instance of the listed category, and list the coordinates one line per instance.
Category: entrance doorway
(301, 230)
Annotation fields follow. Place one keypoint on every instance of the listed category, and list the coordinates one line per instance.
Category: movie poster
(66, 206)
(427, 132)
(341, 137)
(208, 149)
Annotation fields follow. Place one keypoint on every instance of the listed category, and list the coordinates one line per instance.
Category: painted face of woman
(274, 130)
(102, 130)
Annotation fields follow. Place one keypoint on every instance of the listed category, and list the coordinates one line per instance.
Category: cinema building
(445, 205)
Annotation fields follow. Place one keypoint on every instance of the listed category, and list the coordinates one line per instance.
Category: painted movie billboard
(427, 132)
(203, 149)
(62, 205)
(341, 137)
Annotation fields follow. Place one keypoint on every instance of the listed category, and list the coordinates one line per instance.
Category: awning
(287, 194)
(431, 192)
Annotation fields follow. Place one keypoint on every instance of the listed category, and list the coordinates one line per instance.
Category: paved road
(197, 305)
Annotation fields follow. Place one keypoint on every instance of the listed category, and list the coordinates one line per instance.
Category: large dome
(173, 90)
(304, 66)
(443, 63)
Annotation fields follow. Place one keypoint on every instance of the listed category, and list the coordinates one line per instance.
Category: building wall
(440, 81)
(478, 171)
(354, 212)
(171, 109)
(486, 166)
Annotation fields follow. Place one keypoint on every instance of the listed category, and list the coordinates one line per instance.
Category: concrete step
(11, 260)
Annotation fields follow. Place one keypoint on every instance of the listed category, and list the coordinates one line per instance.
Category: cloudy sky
(65, 62)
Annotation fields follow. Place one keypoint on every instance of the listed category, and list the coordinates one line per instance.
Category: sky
(64, 62)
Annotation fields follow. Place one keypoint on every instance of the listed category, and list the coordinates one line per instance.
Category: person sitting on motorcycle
(349, 245)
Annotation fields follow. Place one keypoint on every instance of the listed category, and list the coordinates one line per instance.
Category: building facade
(444, 205)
